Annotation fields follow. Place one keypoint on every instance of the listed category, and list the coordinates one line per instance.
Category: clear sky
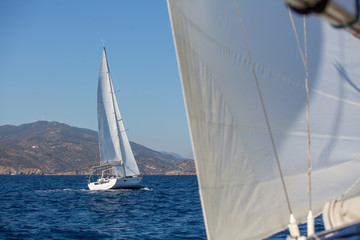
(50, 53)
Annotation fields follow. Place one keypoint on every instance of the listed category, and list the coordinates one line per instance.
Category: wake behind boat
(117, 162)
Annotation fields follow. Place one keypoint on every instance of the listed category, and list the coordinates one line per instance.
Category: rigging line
(297, 38)
(310, 218)
(308, 113)
(263, 108)
(349, 190)
(131, 170)
(305, 62)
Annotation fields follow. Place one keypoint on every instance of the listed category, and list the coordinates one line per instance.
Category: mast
(113, 105)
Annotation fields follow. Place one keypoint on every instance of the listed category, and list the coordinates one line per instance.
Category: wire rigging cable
(305, 62)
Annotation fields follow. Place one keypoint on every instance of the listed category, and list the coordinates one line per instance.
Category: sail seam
(286, 177)
(293, 133)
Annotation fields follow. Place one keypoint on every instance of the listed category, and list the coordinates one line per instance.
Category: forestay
(240, 189)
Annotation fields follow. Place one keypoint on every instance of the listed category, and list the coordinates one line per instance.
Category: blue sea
(62, 207)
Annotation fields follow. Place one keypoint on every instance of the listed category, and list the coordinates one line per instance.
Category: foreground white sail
(117, 159)
(240, 188)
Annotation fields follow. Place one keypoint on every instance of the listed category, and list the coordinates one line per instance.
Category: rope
(263, 108)
(131, 170)
(305, 62)
(349, 190)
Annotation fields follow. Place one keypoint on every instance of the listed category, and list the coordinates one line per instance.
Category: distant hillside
(56, 148)
(175, 155)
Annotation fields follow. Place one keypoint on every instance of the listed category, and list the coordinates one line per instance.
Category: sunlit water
(62, 207)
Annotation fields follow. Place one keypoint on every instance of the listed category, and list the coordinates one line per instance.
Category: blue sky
(50, 53)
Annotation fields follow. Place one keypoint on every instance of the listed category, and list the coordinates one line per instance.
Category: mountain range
(58, 149)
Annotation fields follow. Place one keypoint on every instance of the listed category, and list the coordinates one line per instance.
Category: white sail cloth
(240, 189)
(114, 144)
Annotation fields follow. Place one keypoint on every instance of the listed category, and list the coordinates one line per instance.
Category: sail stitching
(293, 133)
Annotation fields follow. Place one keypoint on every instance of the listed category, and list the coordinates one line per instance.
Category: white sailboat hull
(116, 183)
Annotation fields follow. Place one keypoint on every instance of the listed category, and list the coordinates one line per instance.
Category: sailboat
(273, 108)
(117, 162)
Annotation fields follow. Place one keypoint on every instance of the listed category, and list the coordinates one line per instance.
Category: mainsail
(240, 188)
(114, 144)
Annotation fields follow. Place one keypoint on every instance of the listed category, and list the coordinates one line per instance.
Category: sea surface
(62, 207)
